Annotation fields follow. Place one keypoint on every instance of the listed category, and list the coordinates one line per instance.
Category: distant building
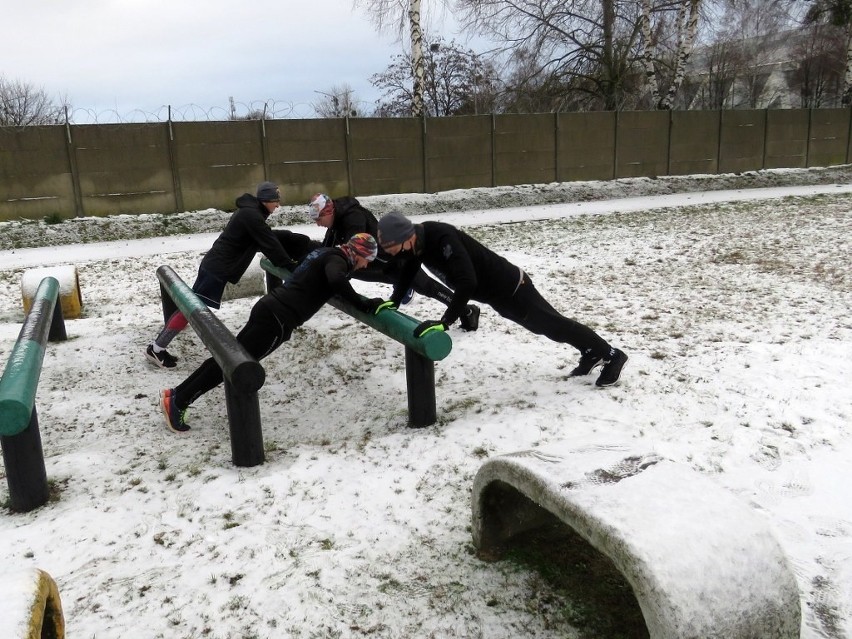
(787, 70)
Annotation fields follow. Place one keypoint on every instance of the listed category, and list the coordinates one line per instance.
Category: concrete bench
(700, 562)
(30, 607)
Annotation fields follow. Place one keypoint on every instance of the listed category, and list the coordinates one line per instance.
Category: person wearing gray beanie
(342, 217)
(245, 235)
(475, 272)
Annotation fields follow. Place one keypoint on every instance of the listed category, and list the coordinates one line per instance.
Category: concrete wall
(79, 170)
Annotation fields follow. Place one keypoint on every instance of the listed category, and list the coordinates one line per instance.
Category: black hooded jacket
(466, 266)
(349, 218)
(245, 234)
(323, 273)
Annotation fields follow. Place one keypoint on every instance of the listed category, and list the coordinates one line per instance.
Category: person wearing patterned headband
(323, 273)
(344, 216)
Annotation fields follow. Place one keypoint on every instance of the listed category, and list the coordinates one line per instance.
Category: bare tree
(588, 45)
(22, 104)
(760, 31)
(818, 76)
(685, 29)
(718, 63)
(456, 82)
(337, 102)
(395, 14)
(839, 14)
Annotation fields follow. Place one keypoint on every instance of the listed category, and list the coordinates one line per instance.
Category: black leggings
(529, 309)
(262, 334)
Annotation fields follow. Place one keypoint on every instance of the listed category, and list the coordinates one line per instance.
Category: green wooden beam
(435, 345)
(20, 378)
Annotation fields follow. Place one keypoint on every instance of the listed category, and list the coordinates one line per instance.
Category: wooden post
(242, 373)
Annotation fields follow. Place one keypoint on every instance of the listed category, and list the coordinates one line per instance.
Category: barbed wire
(255, 110)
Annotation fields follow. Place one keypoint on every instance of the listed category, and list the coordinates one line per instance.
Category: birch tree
(394, 15)
(685, 30)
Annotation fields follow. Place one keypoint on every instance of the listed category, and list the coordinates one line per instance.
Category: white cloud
(125, 55)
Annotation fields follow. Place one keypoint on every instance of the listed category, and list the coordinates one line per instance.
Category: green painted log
(244, 372)
(435, 345)
(20, 378)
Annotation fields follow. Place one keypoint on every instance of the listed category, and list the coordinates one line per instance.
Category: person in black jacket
(244, 235)
(476, 272)
(345, 216)
(324, 272)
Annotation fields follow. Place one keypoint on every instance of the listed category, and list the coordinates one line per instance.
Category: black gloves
(424, 328)
(371, 306)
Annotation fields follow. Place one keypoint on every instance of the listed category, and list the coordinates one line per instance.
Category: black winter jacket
(349, 218)
(459, 261)
(323, 273)
(245, 234)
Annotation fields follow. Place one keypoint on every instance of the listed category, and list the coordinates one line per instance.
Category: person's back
(245, 234)
(350, 217)
(315, 280)
(480, 271)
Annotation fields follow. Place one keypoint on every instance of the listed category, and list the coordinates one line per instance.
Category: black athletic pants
(529, 309)
(262, 334)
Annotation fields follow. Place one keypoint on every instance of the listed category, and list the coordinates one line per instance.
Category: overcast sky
(113, 57)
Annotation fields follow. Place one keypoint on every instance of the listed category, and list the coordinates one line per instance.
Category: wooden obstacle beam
(19, 434)
(701, 563)
(242, 373)
(421, 353)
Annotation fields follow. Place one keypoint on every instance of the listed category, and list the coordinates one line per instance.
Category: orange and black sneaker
(173, 415)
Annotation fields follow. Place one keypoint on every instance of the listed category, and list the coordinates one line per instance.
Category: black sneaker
(163, 359)
(470, 321)
(173, 415)
(611, 370)
(587, 362)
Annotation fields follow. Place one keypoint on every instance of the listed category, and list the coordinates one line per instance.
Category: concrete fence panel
(216, 161)
(694, 142)
(642, 144)
(76, 170)
(585, 146)
(386, 155)
(524, 149)
(742, 138)
(35, 173)
(458, 152)
(307, 157)
(787, 139)
(123, 168)
(828, 143)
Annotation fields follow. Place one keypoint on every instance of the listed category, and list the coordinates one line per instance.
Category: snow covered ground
(734, 309)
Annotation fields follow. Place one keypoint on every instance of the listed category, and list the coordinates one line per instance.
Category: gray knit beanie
(394, 228)
(268, 192)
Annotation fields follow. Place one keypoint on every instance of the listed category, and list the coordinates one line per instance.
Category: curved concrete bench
(30, 606)
(701, 563)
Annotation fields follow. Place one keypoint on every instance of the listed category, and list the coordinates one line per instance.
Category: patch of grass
(53, 218)
(581, 584)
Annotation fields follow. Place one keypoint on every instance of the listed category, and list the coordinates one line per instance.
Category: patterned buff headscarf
(364, 245)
